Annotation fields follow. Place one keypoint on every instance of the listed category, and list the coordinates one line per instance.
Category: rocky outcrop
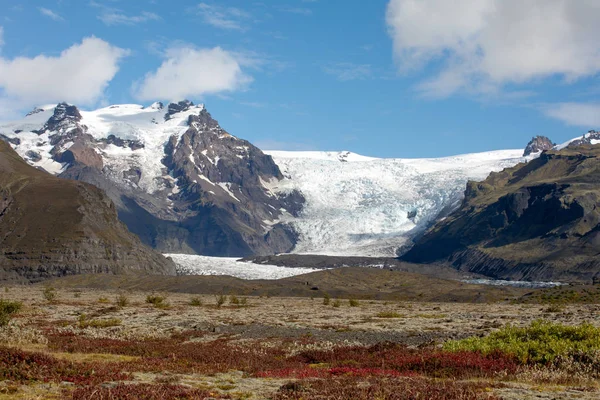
(538, 144)
(536, 221)
(52, 227)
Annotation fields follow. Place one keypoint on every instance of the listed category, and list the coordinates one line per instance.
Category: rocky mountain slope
(536, 221)
(53, 227)
(179, 181)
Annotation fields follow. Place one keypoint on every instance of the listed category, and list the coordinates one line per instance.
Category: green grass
(541, 342)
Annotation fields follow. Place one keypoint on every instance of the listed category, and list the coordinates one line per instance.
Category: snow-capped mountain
(185, 185)
(357, 205)
(180, 181)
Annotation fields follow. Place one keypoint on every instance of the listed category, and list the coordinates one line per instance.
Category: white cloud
(484, 44)
(188, 72)
(50, 14)
(231, 18)
(348, 71)
(114, 17)
(586, 115)
(79, 75)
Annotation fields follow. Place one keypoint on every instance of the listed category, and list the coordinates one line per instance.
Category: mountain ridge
(535, 221)
(51, 227)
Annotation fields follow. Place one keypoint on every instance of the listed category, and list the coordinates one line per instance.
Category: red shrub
(423, 361)
(22, 366)
(143, 392)
(382, 388)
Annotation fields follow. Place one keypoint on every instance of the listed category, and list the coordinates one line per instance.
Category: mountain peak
(180, 106)
(65, 117)
(538, 144)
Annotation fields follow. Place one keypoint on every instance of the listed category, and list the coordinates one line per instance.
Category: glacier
(364, 206)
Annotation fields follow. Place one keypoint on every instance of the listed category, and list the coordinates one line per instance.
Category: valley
(112, 338)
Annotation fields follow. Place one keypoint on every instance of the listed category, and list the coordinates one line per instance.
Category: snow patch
(203, 265)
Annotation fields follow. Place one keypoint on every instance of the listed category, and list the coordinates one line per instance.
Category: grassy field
(86, 343)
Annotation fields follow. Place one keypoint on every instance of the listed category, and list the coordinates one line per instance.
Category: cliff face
(52, 227)
(538, 221)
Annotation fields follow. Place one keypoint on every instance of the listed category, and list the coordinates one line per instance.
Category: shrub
(7, 309)
(122, 300)
(103, 300)
(77, 294)
(196, 301)
(326, 299)
(220, 300)
(143, 391)
(234, 300)
(337, 303)
(353, 303)
(25, 366)
(49, 294)
(388, 314)
(157, 301)
(97, 323)
(554, 308)
(382, 388)
(541, 342)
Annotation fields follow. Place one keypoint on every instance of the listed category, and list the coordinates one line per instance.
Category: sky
(397, 78)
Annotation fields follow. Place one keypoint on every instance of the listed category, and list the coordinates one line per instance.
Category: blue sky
(398, 78)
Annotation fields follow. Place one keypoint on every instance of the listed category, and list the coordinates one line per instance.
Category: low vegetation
(84, 322)
(157, 301)
(49, 294)
(388, 314)
(109, 352)
(7, 310)
(196, 302)
(541, 342)
(122, 300)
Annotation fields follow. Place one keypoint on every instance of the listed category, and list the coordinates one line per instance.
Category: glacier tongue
(364, 206)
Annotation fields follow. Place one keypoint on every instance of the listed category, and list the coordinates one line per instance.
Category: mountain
(185, 185)
(364, 206)
(53, 227)
(179, 181)
(536, 221)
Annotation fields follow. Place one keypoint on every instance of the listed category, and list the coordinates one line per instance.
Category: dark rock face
(175, 108)
(65, 116)
(538, 144)
(209, 192)
(132, 144)
(52, 227)
(536, 221)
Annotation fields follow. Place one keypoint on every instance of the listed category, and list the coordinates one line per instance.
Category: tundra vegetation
(289, 348)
